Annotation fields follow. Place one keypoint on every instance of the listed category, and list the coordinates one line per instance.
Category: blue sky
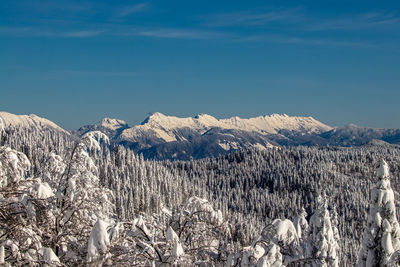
(76, 62)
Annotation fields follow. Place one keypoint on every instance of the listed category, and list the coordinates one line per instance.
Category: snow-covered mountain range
(160, 136)
(168, 137)
(169, 128)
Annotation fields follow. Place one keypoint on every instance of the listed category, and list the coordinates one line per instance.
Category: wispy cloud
(188, 34)
(61, 5)
(299, 19)
(356, 22)
(115, 30)
(82, 34)
(253, 18)
(181, 33)
(90, 73)
(289, 26)
(126, 11)
(305, 41)
(47, 32)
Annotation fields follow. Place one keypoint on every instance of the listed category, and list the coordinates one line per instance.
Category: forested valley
(77, 201)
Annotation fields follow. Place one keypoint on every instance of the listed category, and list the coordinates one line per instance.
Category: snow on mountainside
(353, 135)
(276, 122)
(169, 137)
(169, 128)
(29, 121)
(111, 127)
(113, 124)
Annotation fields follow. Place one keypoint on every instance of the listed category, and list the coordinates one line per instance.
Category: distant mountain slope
(352, 135)
(29, 121)
(111, 127)
(170, 128)
(168, 137)
(275, 123)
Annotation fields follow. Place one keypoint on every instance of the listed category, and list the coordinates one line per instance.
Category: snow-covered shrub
(81, 201)
(14, 166)
(20, 237)
(201, 230)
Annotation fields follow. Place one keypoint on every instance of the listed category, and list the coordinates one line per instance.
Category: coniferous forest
(81, 201)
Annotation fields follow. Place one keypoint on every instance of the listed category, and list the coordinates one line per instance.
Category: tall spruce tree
(382, 235)
(322, 244)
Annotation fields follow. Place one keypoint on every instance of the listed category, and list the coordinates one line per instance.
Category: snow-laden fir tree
(322, 245)
(381, 235)
(301, 224)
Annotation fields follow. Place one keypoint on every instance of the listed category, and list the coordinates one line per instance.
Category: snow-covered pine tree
(301, 224)
(382, 234)
(322, 244)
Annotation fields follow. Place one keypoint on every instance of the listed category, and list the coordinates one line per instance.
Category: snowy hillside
(29, 121)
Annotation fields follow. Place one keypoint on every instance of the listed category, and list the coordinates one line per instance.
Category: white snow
(276, 122)
(99, 240)
(229, 145)
(43, 190)
(263, 147)
(272, 259)
(48, 256)
(1, 126)
(1, 254)
(171, 235)
(93, 139)
(281, 231)
(164, 127)
(383, 170)
(112, 124)
(301, 223)
(177, 249)
(381, 233)
(13, 165)
(29, 121)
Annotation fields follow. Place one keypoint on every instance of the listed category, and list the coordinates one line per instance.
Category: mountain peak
(202, 115)
(113, 123)
(155, 116)
(28, 121)
(206, 119)
(277, 115)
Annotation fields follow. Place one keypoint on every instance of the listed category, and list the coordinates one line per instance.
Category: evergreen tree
(382, 234)
(321, 245)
